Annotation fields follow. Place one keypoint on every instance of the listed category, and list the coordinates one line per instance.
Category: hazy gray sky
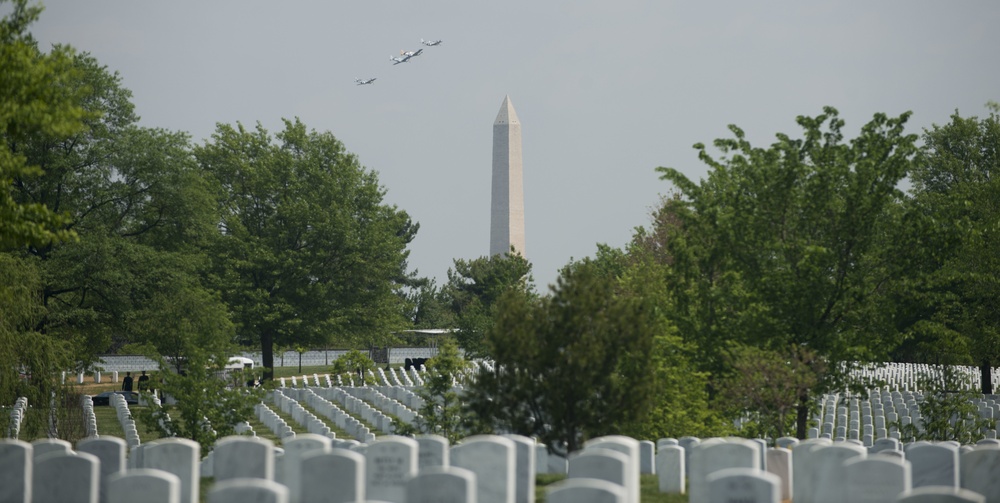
(606, 90)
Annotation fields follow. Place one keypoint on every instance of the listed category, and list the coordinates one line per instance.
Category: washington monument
(507, 208)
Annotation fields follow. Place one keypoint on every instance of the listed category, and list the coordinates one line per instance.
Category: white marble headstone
(933, 464)
(670, 470)
(802, 469)
(295, 448)
(433, 451)
(719, 454)
(745, 485)
(60, 477)
(390, 462)
(647, 457)
(585, 491)
(630, 448)
(15, 470)
(442, 484)
(493, 459)
(110, 451)
(248, 491)
(44, 446)
(144, 484)
(179, 456)
(237, 457)
(524, 468)
(941, 494)
(876, 479)
(980, 471)
(828, 470)
(779, 462)
(337, 476)
(602, 464)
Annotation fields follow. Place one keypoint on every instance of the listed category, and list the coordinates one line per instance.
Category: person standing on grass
(144, 382)
(127, 382)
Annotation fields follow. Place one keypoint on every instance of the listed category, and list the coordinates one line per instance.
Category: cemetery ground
(108, 425)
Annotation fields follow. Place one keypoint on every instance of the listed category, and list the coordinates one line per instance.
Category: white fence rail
(137, 363)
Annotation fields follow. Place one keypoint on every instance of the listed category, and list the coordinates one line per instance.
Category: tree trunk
(986, 376)
(267, 354)
(802, 416)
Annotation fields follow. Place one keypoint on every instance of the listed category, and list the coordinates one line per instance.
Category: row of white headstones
(672, 483)
(17, 413)
(492, 469)
(672, 458)
(913, 376)
(876, 416)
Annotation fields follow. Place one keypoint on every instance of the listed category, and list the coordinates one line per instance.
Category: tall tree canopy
(310, 254)
(774, 249)
(950, 295)
(36, 97)
(569, 366)
(473, 290)
(135, 198)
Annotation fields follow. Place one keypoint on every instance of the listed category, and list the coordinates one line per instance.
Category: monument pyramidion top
(507, 115)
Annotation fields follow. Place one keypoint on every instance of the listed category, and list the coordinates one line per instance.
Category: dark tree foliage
(309, 253)
(777, 246)
(442, 410)
(570, 366)
(136, 200)
(429, 306)
(473, 290)
(949, 293)
(209, 403)
(764, 386)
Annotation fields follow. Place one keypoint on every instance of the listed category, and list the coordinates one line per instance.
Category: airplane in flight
(362, 82)
(405, 56)
(430, 43)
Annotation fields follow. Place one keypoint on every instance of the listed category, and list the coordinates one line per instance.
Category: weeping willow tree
(30, 362)
(33, 101)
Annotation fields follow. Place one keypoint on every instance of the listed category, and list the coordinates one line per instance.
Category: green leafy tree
(765, 386)
(309, 253)
(181, 320)
(442, 410)
(681, 404)
(948, 410)
(777, 247)
(208, 407)
(474, 288)
(950, 294)
(570, 366)
(34, 101)
(30, 362)
(429, 307)
(136, 199)
(36, 98)
(356, 363)
(187, 330)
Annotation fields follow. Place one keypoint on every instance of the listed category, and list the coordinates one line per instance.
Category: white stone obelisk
(507, 208)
